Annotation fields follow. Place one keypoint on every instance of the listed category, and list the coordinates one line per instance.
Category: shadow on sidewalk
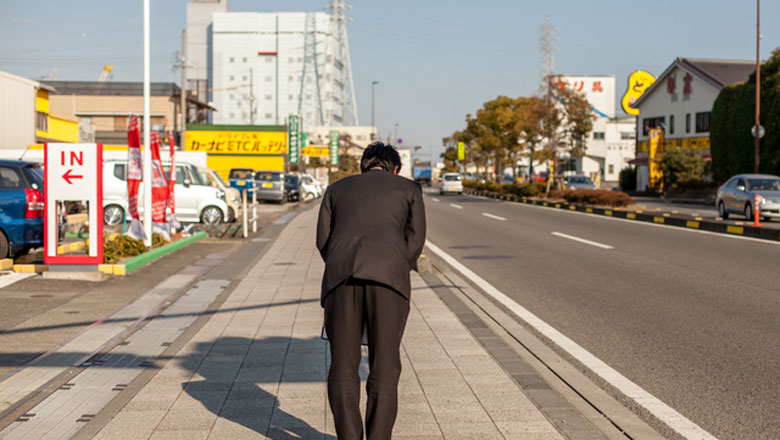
(240, 376)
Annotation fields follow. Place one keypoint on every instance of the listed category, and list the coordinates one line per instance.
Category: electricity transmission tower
(342, 66)
(546, 50)
(310, 66)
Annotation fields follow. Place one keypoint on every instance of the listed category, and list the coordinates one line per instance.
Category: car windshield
(764, 184)
(34, 175)
(241, 174)
(218, 177)
(291, 179)
(266, 176)
(196, 177)
(579, 179)
(451, 177)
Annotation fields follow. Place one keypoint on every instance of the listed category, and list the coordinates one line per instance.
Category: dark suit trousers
(385, 311)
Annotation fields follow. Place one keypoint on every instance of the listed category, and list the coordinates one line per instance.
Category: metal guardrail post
(254, 218)
(244, 212)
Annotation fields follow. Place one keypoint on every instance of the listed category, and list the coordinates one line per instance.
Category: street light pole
(373, 87)
(147, 167)
(396, 132)
(758, 88)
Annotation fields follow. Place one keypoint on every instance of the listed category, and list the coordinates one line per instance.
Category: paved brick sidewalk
(257, 368)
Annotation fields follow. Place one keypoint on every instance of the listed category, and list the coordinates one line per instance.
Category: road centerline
(582, 240)
(495, 217)
(456, 206)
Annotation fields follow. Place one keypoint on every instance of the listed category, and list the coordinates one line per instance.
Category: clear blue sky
(436, 61)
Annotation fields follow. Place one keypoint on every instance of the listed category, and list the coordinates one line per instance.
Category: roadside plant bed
(597, 197)
(516, 189)
(122, 247)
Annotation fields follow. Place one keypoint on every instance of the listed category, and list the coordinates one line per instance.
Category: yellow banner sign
(656, 153)
(316, 151)
(638, 82)
(237, 142)
(696, 143)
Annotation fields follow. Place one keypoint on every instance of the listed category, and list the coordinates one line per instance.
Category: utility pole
(758, 88)
(183, 105)
(373, 90)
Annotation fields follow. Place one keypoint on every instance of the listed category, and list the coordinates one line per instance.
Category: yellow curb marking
(692, 224)
(659, 219)
(30, 268)
(630, 215)
(6, 263)
(588, 209)
(735, 229)
(608, 212)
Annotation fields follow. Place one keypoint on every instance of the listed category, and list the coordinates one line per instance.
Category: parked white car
(232, 196)
(310, 187)
(195, 200)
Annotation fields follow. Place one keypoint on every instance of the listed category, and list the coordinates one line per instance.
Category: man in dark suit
(370, 232)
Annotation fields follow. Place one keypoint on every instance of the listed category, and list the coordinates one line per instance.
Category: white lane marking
(643, 223)
(456, 206)
(493, 216)
(582, 240)
(435, 199)
(8, 278)
(662, 411)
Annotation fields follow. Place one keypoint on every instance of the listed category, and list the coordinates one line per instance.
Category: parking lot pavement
(257, 367)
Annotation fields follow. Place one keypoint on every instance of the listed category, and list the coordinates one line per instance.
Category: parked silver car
(737, 196)
(269, 185)
(578, 182)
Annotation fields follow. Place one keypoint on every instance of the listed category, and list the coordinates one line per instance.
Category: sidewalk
(257, 368)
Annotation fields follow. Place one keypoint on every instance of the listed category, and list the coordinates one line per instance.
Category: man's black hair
(378, 154)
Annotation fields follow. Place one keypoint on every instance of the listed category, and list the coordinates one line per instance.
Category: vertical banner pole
(147, 179)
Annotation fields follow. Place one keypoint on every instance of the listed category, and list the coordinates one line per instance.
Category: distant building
(102, 109)
(610, 143)
(259, 68)
(680, 102)
(26, 116)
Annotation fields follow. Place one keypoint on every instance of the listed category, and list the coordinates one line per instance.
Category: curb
(139, 261)
(666, 219)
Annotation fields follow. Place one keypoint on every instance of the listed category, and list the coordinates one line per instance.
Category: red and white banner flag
(159, 182)
(134, 175)
(172, 176)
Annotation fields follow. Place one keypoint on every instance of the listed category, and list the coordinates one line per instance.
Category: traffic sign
(399, 141)
(334, 147)
(761, 131)
(294, 138)
(461, 151)
(73, 172)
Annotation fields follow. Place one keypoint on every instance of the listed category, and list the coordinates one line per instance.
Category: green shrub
(120, 247)
(598, 197)
(683, 169)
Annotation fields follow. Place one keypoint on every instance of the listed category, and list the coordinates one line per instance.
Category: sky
(435, 60)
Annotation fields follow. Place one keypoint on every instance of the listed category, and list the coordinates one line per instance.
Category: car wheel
(231, 214)
(748, 212)
(113, 215)
(766, 219)
(460, 193)
(722, 211)
(441, 193)
(4, 247)
(211, 215)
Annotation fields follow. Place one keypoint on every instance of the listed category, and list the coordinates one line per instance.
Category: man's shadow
(236, 379)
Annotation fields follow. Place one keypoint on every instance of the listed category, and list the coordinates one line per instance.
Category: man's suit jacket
(371, 226)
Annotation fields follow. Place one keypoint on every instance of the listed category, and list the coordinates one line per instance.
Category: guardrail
(665, 218)
(245, 214)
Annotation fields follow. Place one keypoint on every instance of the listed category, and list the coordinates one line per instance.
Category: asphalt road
(690, 317)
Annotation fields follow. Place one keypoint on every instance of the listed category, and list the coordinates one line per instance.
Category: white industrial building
(261, 67)
(610, 144)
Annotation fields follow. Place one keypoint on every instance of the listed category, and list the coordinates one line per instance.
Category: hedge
(583, 196)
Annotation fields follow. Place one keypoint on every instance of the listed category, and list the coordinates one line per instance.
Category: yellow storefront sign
(236, 142)
(316, 151)
(697, 143)
(656, 153)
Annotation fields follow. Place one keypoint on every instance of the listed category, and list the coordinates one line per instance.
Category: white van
(451, 183)
(196, 201)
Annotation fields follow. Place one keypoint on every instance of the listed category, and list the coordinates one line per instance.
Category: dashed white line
(435, 199)
(582, 240)
(655, 406)
(495, 217)
(456, 206)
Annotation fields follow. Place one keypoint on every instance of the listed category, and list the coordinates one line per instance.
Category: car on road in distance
(737, 196)
(232, 195)
(292, 187)
(310, 188)
(269, 185)
(196, 201)
(578, 182)
(451, 183)
(21, 207)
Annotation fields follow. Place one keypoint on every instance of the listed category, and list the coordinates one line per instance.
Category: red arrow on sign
(68, 176)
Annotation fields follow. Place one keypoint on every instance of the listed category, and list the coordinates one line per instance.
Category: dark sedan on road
(292, 187)
(737, 196)
(21, 207)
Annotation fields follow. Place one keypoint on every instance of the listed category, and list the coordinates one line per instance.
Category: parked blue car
(21, 207)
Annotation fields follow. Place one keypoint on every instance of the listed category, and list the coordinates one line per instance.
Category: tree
(682, 169)
(733, 116)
